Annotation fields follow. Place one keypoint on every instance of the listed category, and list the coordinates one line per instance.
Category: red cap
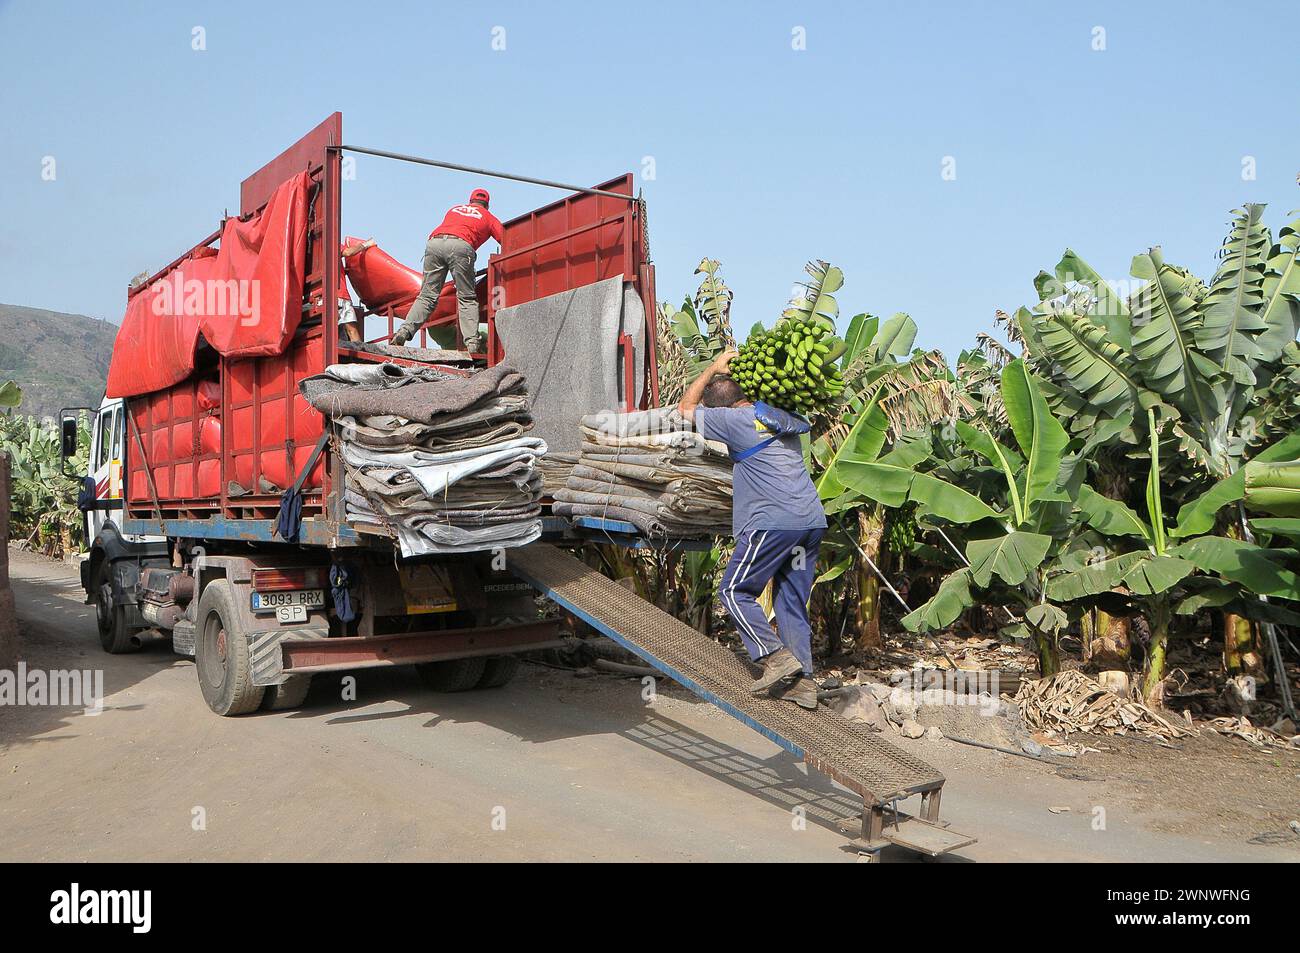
(480, 195)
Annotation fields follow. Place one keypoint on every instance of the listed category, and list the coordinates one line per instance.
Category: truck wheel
(456, 675)
(286, 695)
(499, 670)
(114, 633)
(221, 655)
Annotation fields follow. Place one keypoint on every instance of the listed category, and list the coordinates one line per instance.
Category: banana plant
(703, 324)
(11, 395)
(886, 394)
(1009, 553)
(1202, 356)
(42, 500)
(1175, 567)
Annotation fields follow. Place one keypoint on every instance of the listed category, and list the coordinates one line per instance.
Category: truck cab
(112, 566)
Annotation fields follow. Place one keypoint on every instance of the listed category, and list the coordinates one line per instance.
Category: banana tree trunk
(1106, 639)
(1049, 654)
(1241, 655)
(871, 533)
(1153, 683)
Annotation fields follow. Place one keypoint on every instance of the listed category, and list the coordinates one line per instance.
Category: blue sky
(764, 155)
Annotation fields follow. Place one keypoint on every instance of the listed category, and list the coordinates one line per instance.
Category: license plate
(284, 614)
(296, 599)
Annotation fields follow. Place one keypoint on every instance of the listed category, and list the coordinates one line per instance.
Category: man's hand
(722, 363)
(691, 399)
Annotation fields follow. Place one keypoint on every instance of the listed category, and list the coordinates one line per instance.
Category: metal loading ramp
(860, 760)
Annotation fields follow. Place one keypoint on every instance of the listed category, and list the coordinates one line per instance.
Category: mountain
(59, 360)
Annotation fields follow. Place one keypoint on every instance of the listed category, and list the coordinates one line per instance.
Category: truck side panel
(230, 439)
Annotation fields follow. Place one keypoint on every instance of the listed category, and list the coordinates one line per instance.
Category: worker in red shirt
(452, 246)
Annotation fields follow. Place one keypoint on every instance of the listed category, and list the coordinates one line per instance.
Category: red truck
(203, 429)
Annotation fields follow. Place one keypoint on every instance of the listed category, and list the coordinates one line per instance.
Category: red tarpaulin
(379, 279)
(382, 282)
(245, 299)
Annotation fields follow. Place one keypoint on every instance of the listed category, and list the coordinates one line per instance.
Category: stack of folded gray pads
(651, 469)
(441, 460)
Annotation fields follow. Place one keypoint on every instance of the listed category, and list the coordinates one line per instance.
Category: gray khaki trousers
(442, 254)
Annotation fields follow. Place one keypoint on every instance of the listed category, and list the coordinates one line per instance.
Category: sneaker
(474, 345)
(803, 693)
(780, 664)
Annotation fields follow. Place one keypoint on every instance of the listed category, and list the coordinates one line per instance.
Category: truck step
(860, 760)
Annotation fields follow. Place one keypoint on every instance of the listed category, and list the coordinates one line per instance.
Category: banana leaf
(1110, 311)
(864, 441)
(1110, 516)
(893, 480)
(1197, 517)
(896, 337)
(1040, 435)
(946, 605)
(1012, 557)
(1046, 618)
(1207, 593)
(1280, 311)
(1230, 313)
(1242, 562)
(1093, 578)
(1156, 574)
(1277, 527)
(986, 446)
(11, 395)
(862, 331)
(1096, 367)
(817, 301)
(1273, 488)
(1164, 344)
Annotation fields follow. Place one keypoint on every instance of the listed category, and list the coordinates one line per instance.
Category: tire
(110, 619)
(500, 669)
(286, 695)
(456, 675)
(221, 655)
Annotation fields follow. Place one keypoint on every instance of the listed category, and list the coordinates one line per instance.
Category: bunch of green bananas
(792, 366)
(900, 530)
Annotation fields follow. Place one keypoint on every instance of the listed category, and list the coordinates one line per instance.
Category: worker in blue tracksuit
(778, 522)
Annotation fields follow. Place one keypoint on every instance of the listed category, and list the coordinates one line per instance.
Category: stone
(912, 729)
(860, 706)
(880, 692)
(933, 733)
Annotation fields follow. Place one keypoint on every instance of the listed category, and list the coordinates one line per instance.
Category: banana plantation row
(1129, 478)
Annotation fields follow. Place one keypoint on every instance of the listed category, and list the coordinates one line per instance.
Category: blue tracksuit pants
(788, 558)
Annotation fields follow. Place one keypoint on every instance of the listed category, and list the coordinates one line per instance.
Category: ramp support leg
(930, 805)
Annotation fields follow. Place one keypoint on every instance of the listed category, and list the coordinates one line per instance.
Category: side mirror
(69, 420)
(68, 437)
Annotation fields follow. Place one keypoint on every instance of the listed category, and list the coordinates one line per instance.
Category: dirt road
(552, 767)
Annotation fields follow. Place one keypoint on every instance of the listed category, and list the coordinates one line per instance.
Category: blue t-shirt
(771, 488)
